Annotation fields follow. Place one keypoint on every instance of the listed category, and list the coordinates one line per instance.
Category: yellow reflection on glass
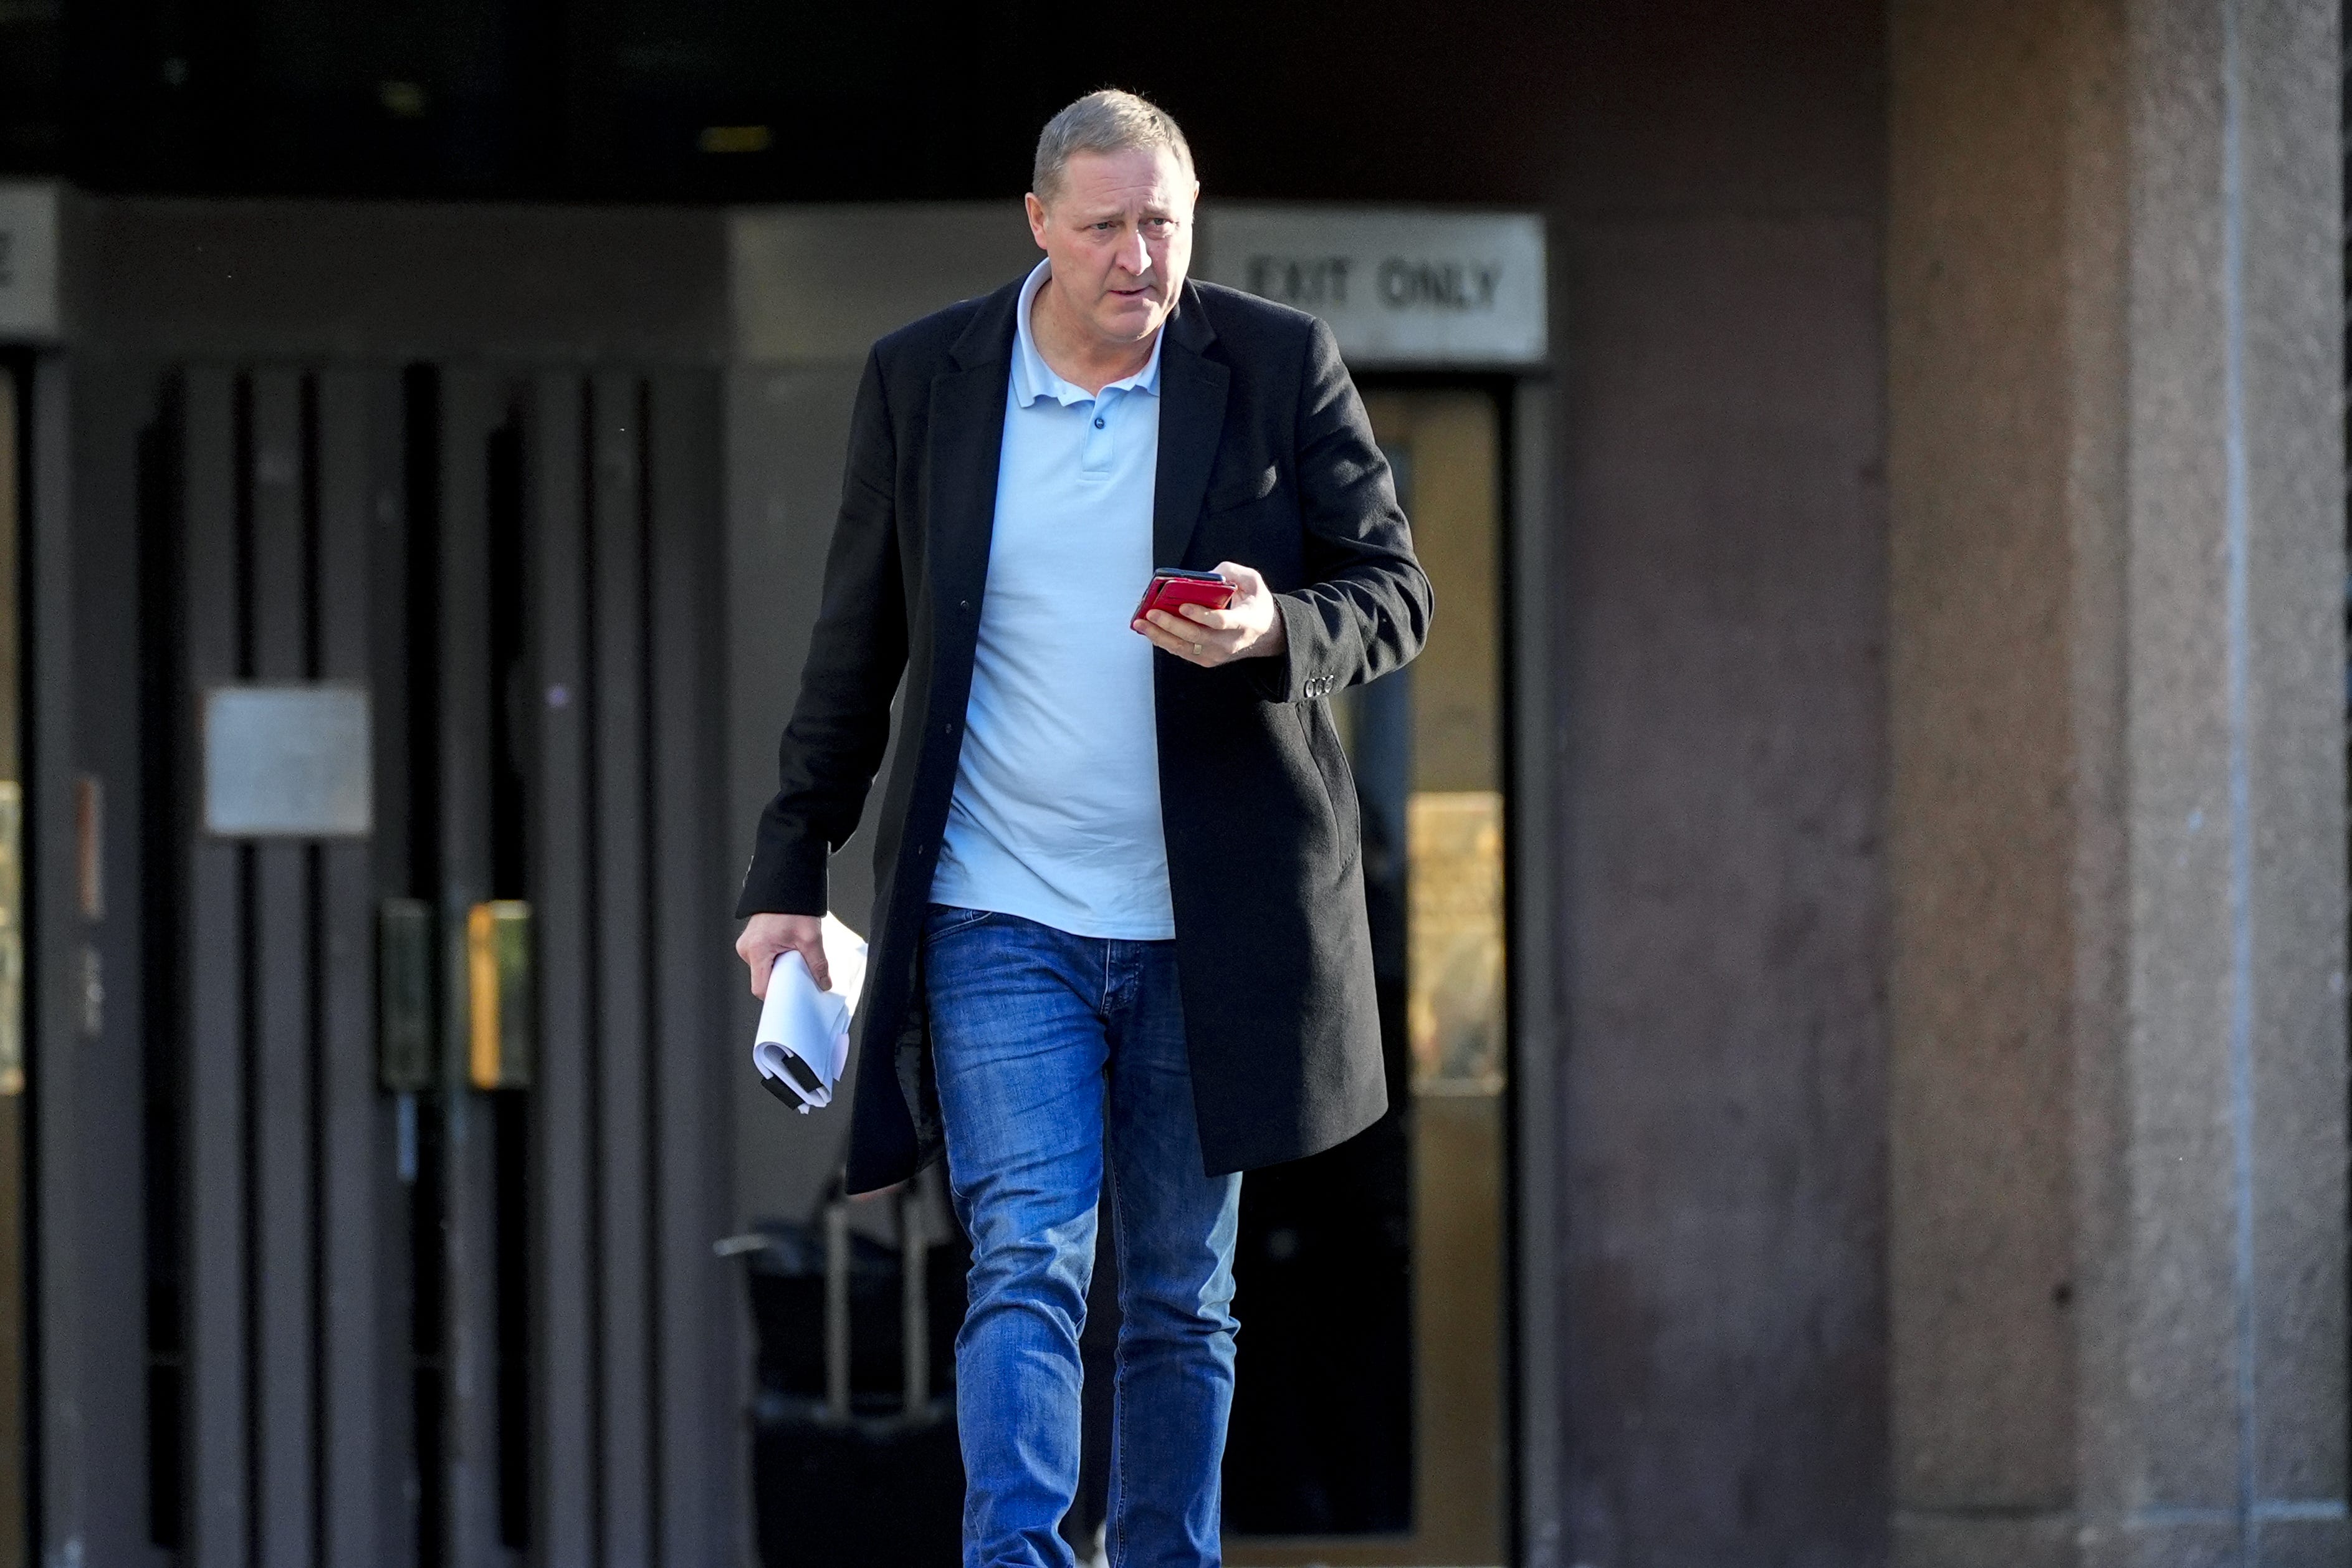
(504, 1044)
(1454, 1008)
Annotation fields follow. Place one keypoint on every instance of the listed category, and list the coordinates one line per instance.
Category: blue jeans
(1048, 1048)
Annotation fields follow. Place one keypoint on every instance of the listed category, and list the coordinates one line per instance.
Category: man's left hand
(1246, 628)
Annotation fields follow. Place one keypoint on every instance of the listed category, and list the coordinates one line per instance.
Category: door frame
(55, 947)
(1535, 737)
(19, 1383)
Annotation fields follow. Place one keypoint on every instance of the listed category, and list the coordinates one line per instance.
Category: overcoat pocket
(1256, 487)
(1331, 765)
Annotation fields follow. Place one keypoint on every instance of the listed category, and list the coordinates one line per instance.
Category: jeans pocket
(946, 919)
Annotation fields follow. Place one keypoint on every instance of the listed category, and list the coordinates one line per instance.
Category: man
(1118, 906)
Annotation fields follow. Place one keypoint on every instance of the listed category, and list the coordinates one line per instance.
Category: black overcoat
(1266, 459)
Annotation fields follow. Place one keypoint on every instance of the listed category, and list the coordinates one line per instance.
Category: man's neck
(1080, 357)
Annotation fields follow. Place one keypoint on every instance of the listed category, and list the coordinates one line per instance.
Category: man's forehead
(1145, 200)
(1114, 181)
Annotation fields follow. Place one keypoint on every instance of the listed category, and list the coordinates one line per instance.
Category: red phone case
(1167, 592)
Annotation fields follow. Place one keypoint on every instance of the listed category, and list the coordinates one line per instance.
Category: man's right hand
(766, 936)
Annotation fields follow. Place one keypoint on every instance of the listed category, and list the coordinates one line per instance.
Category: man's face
(1119, 233)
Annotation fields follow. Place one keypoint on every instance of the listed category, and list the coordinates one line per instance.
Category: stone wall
(2116, 845)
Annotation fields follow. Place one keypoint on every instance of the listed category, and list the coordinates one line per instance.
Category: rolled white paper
(799, 1021)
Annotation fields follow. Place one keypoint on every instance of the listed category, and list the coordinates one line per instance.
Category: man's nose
(1133, 254)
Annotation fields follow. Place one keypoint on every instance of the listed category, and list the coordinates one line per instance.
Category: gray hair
(1105, 121)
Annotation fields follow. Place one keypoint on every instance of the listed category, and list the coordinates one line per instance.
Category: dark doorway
(1370, 1413)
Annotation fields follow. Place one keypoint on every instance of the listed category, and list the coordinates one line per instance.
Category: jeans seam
(1117, 1363)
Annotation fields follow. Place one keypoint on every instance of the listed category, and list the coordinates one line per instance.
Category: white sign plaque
(288, 762)
(1398, 287)
(28, 262)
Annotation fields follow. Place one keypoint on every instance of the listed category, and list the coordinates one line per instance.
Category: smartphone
(1172, 585)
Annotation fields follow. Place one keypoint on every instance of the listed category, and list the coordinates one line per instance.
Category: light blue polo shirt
(1056, 809)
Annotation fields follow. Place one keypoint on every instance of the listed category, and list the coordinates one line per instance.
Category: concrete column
(2117, 823)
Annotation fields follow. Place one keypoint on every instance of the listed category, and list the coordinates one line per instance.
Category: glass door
(1371, 1418)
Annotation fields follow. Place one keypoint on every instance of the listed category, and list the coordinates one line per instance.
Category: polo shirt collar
(1033, 378)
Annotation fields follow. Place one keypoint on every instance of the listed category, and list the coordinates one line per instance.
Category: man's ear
(1036, 211)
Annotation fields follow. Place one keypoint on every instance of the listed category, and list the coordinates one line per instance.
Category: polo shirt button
(1098, 424)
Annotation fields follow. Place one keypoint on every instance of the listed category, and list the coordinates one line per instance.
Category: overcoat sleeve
(841, 722)
(1364, 608)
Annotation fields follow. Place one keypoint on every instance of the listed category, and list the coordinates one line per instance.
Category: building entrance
(412, 641)
(415, 899)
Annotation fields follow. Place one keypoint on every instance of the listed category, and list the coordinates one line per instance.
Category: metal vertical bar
(914, 1301)
(113, 404)
(359, 1239)
(159, 829)
(836, 1306)
(220, 1520)
(617, 637)
(53, 919)
(565, 1277)
(1538, 1015)
(467, 1130)
(693, 1155)
(393, 853)
(283, 1091)
(16, 1340)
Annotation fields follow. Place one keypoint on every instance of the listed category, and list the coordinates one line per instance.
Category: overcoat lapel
(967, 438)
(1191, 415)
